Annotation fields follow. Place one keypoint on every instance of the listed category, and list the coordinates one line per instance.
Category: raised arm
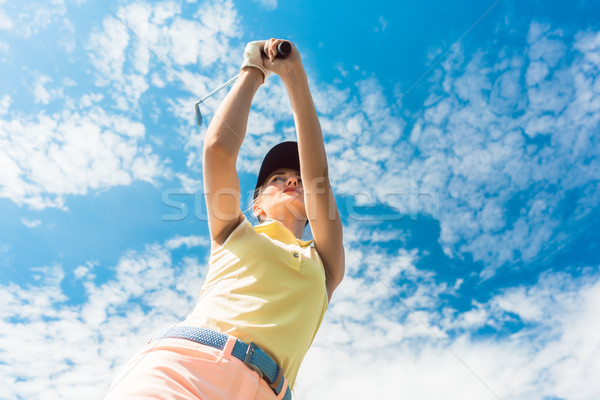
(222, 143)
(320, 203)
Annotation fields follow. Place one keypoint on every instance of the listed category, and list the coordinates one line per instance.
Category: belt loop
(231, 341)
(278, 380)
(283, 389)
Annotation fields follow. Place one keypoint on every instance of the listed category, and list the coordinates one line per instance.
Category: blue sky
(466, 172)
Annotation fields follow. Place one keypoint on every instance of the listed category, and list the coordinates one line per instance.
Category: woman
(266, 291)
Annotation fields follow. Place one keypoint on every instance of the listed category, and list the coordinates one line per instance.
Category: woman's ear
(256, 210)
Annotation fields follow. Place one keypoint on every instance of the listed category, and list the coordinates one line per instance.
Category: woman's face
(282, 194)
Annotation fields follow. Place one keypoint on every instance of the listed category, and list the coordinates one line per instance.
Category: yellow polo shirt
(268, 287)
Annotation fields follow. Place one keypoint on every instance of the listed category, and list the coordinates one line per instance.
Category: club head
(198, 114)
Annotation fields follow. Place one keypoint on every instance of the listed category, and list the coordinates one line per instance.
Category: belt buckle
(249, 352)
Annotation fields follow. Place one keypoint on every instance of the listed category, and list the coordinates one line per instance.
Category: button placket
(295, 257)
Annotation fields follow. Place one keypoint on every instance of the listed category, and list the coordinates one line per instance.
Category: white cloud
(382, 25)
(536, 72)
(5, 21)
(469, 153)
(68, 82)
(382, 359)
(189, 184)
(588, 43)
(34, 17)
(125, 51)
(45, 158)
(5, 104)
(108, 51)
(184, 41)
(545, 45)
(41, 94)
(373, 100)
(31, 223)
(79, 348)
(489, 133)
(4, 254)
(81, 271)
(267, 4)
(370, 343)
(187, 241)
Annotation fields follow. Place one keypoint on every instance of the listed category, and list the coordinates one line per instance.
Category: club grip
(284, 49)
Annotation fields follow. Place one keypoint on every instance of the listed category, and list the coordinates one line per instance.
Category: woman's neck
(293, 224)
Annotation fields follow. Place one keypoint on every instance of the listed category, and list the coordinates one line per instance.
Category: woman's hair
(254, 200)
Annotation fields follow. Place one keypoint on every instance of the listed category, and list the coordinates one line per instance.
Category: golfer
(266, 290)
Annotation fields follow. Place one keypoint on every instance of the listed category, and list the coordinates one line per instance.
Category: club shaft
(229, 82)
(283, 51)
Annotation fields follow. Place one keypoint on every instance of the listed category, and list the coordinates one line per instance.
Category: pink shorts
(183, 369)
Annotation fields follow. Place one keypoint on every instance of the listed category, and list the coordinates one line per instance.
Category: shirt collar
(276, 230)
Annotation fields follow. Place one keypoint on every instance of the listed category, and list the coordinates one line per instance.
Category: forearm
(313, 159)
(320, 202)
(228, 126)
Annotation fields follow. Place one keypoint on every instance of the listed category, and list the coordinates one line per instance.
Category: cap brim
(283, 155)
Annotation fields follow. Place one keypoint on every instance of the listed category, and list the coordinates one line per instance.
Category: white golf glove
(253, 58)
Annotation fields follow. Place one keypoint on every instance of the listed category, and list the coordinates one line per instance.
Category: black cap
(282, 155)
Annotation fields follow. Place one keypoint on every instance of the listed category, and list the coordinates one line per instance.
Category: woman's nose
(292, 181)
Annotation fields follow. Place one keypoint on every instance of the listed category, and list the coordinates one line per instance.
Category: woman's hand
(254, 59)
(287, 68)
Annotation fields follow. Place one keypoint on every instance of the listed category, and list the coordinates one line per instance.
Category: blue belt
(250, 354)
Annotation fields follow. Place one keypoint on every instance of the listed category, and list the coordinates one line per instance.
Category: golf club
(283, 50)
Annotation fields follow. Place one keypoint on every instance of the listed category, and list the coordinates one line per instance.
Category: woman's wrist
(252, 74)
(295, 80)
